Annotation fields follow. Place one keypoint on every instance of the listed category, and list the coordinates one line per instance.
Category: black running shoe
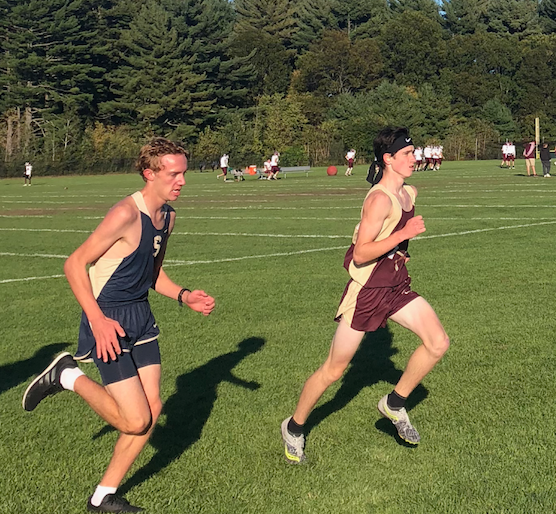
(113, 503)
(48, 382)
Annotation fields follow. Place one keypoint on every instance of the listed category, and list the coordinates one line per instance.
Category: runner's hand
(106, 332)
(200, 301)
(414, 227)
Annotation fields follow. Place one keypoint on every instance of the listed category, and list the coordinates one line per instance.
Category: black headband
(398, 144)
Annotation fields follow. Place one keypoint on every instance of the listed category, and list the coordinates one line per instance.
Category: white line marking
(24, 216)
(171, 262)
(488, 206)
(484, 230)
(245, 234)
(35, 202)
(71, 231)
(45, 255)
(27, 279)
(263, 218)
(236, 234)
(233, 259)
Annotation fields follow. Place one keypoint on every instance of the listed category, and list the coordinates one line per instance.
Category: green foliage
(360, 18)
(281, 122)
(480, 67)
(189, 69)
(413, 48)
(517, 17)
(312, 18)
(208, 25)
(155, 84)
(275, 18)
(500, 116)
(537, 75)
(271, 61)
(463, 16)
(336, 65)
(547, 13)
(294, 156)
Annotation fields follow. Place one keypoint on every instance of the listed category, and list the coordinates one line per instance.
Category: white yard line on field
(173, 262)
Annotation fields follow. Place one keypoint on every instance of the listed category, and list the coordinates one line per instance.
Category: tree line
(84, 82)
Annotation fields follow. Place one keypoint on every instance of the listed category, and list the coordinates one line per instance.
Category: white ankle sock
(68, 378)
(100, 493)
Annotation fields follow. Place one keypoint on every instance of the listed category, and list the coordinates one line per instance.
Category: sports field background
(271, 254)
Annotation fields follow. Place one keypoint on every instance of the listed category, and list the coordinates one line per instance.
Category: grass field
(271, 254)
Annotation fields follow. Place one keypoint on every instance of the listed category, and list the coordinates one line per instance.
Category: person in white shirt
(440, 155)
(505, 148)
(27, 174)
(350, 158)
(224, 166)
(428, 158)
(510, 155)
(435, 154)
(274, 169)
(418, 153)
(267, 169)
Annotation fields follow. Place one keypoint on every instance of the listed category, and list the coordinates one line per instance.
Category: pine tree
(463, 16)
(427, 7)
(264, 33)
(547, 12)
(51, 64)
(519, 17)
(361, 18)
(155, 86)
(273, 17)
(312, 18)
(208, 24)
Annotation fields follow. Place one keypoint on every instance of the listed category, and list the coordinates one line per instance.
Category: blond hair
(150, 154)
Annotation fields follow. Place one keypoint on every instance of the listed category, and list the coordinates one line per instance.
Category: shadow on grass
(13, 374)
(189, 408)
(370, 365)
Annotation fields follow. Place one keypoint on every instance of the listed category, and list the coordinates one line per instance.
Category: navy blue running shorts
(139, 346)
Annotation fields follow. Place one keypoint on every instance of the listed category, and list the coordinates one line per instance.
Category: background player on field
(418, 153)
(545, 159)
(510, 155)
(435, 153)
(350, 158)
(379, 289)
(27, 174)
(428, 157)
(505, 149)
(267, 169)
(224, 166)
(529, 154)
(118, 330)
(274, 168)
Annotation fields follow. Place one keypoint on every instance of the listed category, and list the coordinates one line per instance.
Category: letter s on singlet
(156, 245)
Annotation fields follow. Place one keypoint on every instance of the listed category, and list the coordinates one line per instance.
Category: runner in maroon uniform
(379, 289)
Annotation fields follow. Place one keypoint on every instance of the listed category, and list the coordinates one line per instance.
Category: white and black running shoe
(48, 382)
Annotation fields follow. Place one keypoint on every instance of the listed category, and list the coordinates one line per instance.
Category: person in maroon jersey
(529, 154)
(379, 289)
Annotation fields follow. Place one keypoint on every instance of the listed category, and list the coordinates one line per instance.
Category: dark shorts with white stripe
(139, 346)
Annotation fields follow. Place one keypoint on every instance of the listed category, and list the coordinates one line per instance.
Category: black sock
(395, 401)
(295, 429)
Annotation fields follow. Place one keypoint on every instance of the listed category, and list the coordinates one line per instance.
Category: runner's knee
(333, 372)
(139, 424)
(438, 345)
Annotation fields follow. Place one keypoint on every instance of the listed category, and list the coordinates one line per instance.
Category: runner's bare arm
(375, 210)
(113, 228)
